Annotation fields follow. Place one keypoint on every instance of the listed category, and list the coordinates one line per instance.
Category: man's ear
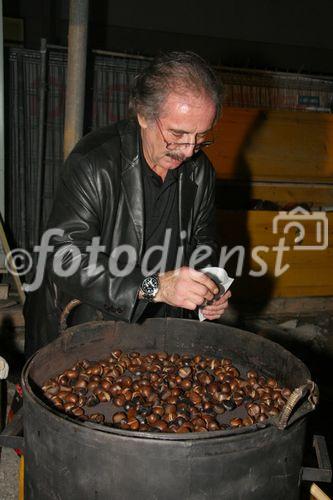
(142, 121)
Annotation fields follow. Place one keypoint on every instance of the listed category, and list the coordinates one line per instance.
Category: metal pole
(76, 71)
(41, 141)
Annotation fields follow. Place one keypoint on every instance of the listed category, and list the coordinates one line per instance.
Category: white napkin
(3, 369)
(220, 276)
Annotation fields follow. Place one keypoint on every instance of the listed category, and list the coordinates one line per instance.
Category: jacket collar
(129, 133)
(131, 177)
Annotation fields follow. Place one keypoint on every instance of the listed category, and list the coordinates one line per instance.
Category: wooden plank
(8, 303)
(4, 288)
(263, 145)
(21, 479)
(317, 493)
(309, 272)
(291, 306)
(279, 309)
(13, 314)
(231, 193)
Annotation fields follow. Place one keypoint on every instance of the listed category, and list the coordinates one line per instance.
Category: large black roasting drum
(66, 458)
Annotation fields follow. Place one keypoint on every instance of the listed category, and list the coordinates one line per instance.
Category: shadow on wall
(250, 293)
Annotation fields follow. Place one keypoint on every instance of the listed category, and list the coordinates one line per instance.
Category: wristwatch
(150, 287)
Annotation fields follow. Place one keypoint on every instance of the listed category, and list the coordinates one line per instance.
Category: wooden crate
(310, 272)
(282, 156)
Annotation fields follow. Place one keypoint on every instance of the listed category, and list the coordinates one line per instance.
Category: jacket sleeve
(204, 222)
(78, 211)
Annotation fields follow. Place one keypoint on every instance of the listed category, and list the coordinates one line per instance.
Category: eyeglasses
(172, 146)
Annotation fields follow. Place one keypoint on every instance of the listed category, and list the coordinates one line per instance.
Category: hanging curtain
(112, 80)
(55, 122)
(23, 119)
(113, 77)
(23, 144)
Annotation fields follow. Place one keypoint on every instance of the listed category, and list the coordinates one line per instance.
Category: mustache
(176, 156)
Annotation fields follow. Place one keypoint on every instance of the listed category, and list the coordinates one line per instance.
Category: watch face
(150, 285)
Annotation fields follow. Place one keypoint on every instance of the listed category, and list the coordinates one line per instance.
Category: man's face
(183, 118)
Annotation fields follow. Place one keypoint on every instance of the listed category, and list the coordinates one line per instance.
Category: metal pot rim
(28, 391)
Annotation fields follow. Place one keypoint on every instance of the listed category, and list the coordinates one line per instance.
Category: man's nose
(189, 150)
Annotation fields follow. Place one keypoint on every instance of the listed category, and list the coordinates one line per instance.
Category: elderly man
(142, 184)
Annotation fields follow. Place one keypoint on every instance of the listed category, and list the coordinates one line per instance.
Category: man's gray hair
(173, 72)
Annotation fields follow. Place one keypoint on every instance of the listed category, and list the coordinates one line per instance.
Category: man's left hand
(215, 310)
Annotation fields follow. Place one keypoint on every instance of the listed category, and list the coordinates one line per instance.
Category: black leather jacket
(100, 193)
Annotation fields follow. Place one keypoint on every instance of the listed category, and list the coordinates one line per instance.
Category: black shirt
(161, 227)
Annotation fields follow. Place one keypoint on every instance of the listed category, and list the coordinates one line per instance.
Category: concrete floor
(9, 475)
(12, 344)
(309, 338)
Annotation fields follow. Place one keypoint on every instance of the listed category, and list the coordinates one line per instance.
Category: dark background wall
(294, 35)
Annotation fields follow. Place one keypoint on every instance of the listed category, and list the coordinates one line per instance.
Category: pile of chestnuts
(158, 392)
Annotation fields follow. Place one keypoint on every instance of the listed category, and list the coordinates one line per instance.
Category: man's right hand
(185, 287)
